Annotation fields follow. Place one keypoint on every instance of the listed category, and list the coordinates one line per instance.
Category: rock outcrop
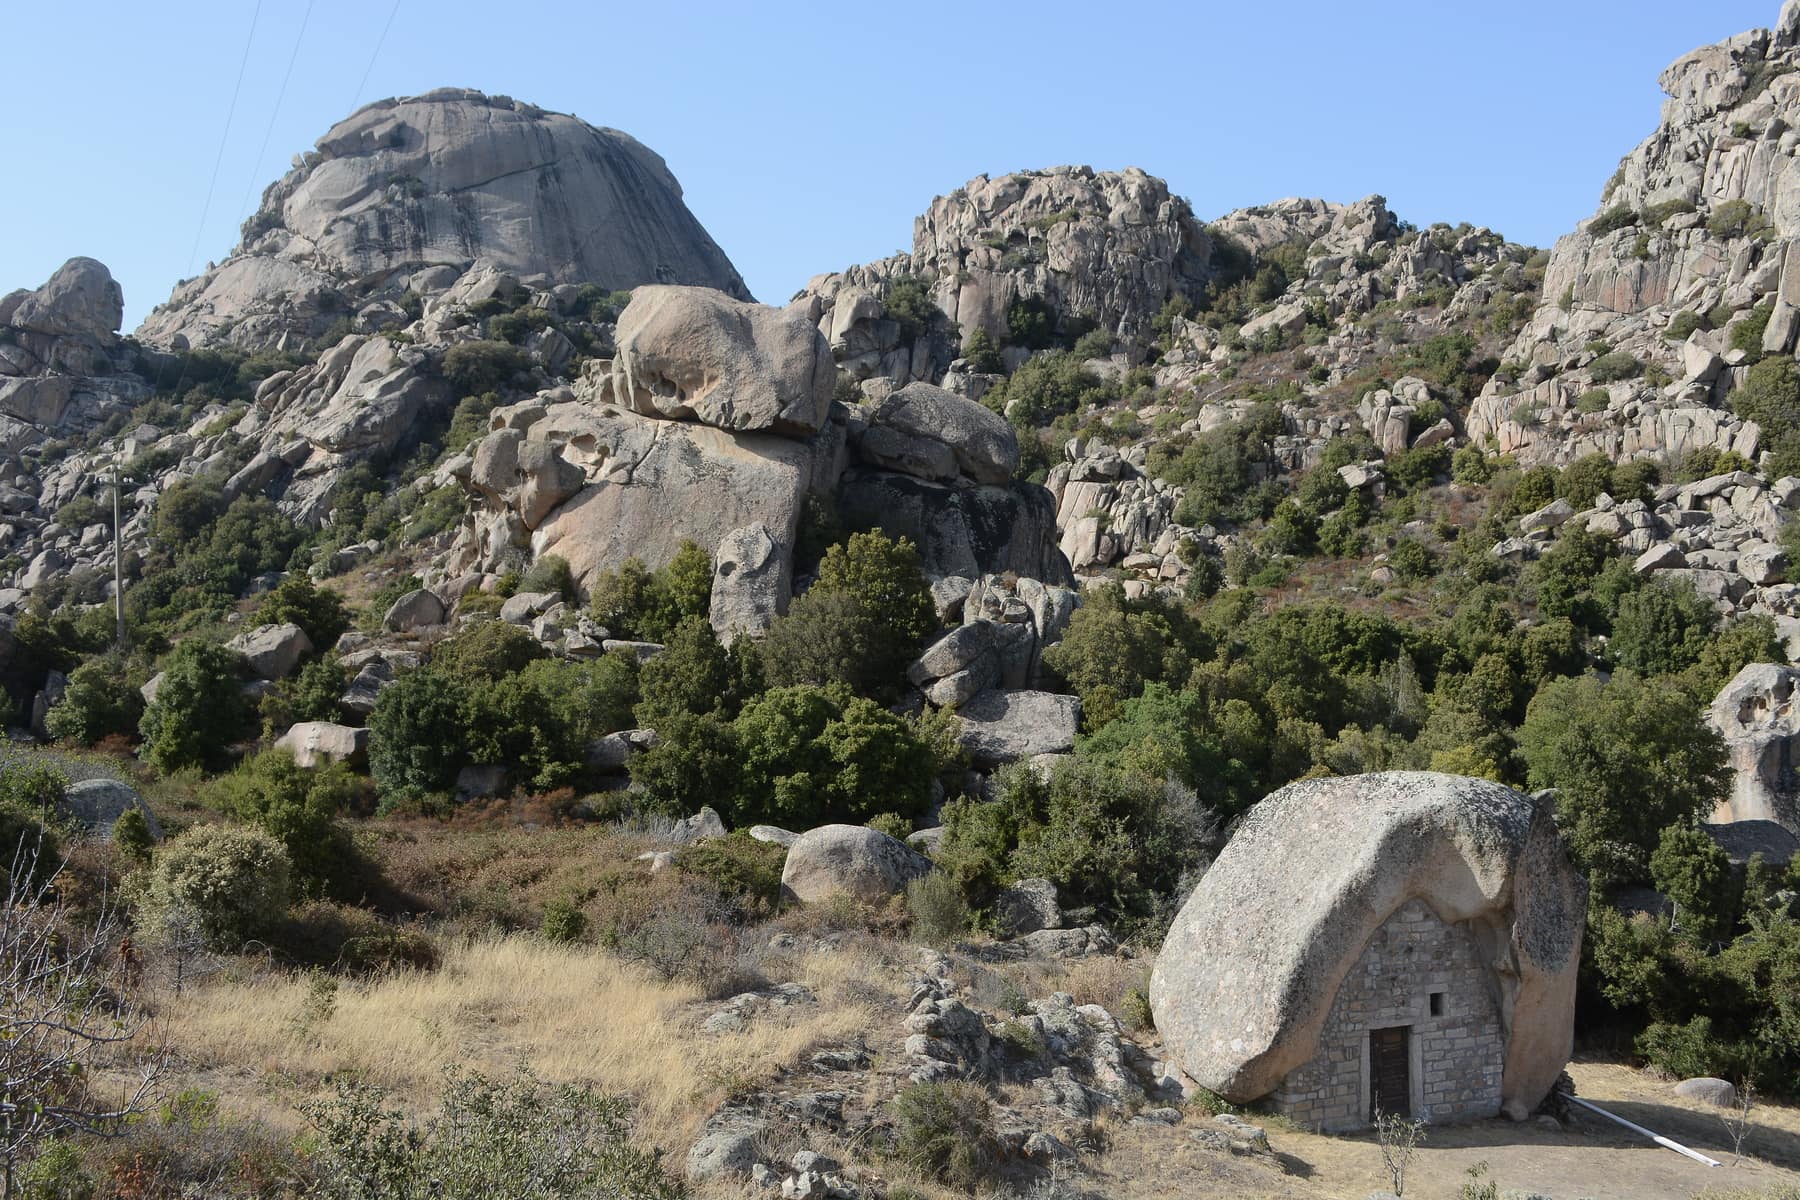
(1758, 715)
(1255, 959)
(407, 186)
(63, 368)
(1698, 220)
(1108, 247)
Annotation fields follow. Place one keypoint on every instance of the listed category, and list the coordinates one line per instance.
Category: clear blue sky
(807, 137)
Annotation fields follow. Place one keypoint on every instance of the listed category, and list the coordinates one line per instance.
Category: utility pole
(118, 564)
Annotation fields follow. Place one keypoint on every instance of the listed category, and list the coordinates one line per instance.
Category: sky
(808, 137)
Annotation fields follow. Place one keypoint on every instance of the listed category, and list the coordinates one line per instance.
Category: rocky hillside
(1656, 309)
(403, 195)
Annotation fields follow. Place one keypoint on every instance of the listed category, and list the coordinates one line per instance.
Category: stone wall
(1456, 1056)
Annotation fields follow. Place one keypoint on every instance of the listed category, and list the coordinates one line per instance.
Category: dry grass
(570, 1013)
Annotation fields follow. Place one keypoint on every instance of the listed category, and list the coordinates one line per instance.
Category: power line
(256, 166)
(224, 136)
(392, 13)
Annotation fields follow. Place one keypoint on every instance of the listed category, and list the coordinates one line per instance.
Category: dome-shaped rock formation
(442, 179)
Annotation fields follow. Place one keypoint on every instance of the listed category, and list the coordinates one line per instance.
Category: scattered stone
(1706, 1090)
(313, 743)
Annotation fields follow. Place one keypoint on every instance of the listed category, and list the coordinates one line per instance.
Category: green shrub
(319, 611)
(223, 884)
(199, 708)
(908, 301)
(1747, 334)
(552, 573)
(1695, 873)
(1613, 219)
(983, 354)
(417, 736)
(1592, 401)
(1682, 326)
(102, 699)
(946, 1131)
(1470, 464)
(1661, 628)
(1614, 366)
(939, 913)
(507, 1137)
(487, 652)
(739, 866)
(1737, 218)
(298, 807)
(472, 368)
(633, 602)
(563, 922)
(131, 834)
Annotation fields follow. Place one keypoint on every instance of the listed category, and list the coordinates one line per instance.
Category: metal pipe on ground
(1658, 1138)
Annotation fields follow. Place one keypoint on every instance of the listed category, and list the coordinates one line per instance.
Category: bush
(472, 368)
(512, 1137)
(1612, 220)
(298, 807)
(1737, 218)
(1614, 366)
(1747, 334)
(1661, 628)
(939, 914)
(552, 573)
(945, 1131)
(860, 624)
(634, 602)
(739, 866)
(319, 611)
(221, 883)
(1412, 561)
(1682, 325)
(101, 700)
(1106, 837)
(199, 709)
(908, 301)
(563, 922)
(1695, 873)
(417, 736)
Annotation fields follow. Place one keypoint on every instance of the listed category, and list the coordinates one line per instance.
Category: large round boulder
(1254, 961)
(853, 859)
(690, 353)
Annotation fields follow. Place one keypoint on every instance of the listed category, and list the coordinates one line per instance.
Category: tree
(1113, 647)
(1661, 629)
(1628, 759)
(694, 762)
(487, 652)
(64, 998)
(416, 736)
(694, 674)
(1694, 871)
(635, 602)
(199, 708)
(860, 624)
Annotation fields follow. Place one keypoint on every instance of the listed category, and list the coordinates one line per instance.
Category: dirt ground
(1594, 1159)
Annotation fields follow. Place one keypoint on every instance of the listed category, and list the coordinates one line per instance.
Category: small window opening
(1437, 1004)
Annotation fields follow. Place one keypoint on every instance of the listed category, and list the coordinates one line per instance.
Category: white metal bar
(1658, 1138)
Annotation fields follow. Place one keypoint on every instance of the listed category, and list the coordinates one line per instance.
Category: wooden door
(1390, 1089)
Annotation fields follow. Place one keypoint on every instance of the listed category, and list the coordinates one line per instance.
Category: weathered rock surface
(315, 743)
(1758, 715)
(853, 859)
(273, 651)
(445, 178)
(99, 803)
(687, 353)
(929, 433)
(1255, 958)
(1706, 1090)
(1000, 727)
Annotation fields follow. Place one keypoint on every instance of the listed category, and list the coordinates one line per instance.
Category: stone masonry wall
(1456, 1057)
